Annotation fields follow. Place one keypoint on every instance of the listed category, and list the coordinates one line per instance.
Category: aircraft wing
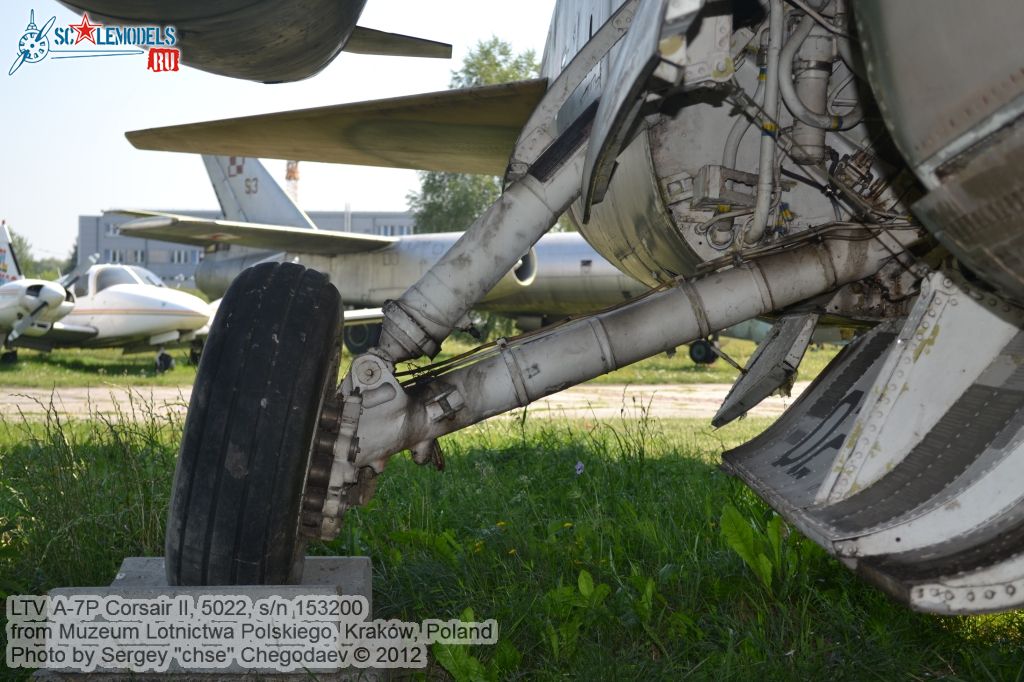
(472, 130)
(369, 41)
(59, 334)
(204, 232)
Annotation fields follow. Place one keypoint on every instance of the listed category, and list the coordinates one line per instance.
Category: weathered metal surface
(920, 483)
(397, 417)
(369, 41)
(772, 365)
(460, 131)
(561, 105)
(952, 334)
(631, 66)
(428, 311)
(786, 464)
(261, 40)
(938, 80)
(976, 211)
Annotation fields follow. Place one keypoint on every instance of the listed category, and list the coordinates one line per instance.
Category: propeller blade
(18, 62)
(46, 28)
(24, 323)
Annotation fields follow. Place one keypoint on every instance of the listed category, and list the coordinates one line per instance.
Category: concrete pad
(587, 401)
(145, 578)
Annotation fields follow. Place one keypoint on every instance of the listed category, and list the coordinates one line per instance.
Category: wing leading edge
(471, 130)
(203, 232)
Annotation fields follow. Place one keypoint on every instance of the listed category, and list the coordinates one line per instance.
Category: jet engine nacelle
(518, 278)
(214, 275)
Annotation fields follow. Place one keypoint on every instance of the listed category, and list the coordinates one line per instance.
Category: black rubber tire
(360, 338)
(237, 495)
(701, 352)
(195, 352)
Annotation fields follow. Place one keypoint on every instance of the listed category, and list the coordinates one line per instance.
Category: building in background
(175, 263)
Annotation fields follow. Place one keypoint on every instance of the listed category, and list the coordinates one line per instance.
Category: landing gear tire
(702, 352)
(268, 364)
(8, 357)
(361, 338)
(195, 352)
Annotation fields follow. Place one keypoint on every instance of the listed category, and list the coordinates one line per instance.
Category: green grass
(679, 369)
(100, 367)
(621, 572)
(69, 367)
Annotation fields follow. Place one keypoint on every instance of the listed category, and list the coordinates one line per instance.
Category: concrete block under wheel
(145, 578)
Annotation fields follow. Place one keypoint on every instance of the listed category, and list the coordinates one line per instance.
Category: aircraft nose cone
(192, 311)
(163, 309)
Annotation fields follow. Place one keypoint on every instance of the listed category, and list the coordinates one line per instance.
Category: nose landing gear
(262, 379)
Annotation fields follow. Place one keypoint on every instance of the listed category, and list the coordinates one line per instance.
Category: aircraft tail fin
(247, 193)
(9, 269)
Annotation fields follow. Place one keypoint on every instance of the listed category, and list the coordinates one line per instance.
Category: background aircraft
(28, 307)
(98, 306)
(560, 275)
(125, 306)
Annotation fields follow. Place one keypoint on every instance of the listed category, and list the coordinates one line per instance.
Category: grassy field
(620, 571)
(92, 367)
(101, 367)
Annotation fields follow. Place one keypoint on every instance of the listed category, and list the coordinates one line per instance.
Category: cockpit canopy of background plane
(100, 277)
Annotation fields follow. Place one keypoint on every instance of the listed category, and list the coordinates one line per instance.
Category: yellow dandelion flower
(567, 524)
(501, 524)
(513, 551)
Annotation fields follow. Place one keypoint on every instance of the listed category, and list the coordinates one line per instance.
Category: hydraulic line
(741, 125)
(788, 89)
(766, 164)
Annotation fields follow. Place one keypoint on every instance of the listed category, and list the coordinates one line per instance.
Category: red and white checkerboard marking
(236, 166)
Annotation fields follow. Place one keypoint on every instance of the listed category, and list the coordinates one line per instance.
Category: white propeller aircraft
(123, 306)
(100, 306)
(28, 307)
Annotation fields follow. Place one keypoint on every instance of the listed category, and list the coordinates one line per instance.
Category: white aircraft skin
(21, 298)
(124, 308)
(27, 306)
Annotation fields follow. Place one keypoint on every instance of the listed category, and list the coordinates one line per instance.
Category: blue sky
(62, 146)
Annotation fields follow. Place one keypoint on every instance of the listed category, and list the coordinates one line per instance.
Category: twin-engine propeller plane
(95, 306)
(881, 187)
(28, 307)
(123, 306)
